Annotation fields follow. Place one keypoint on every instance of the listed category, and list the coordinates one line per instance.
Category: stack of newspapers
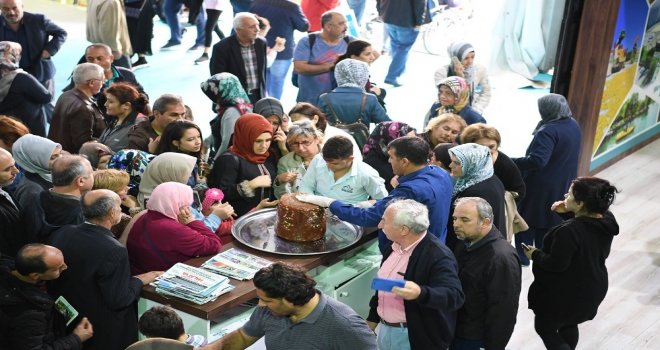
(191, 283)
(236, 264)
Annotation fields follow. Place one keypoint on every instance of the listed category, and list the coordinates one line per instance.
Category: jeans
(275, 77)
(555, 334)
(532, 237)
(171, 10)
(200, 24)
(358, 7)
(466, 344)
(401, 40)
(392, 338)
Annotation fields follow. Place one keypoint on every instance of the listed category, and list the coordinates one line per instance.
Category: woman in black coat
(570, 276)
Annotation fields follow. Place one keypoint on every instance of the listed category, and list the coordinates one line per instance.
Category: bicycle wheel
(437, 36)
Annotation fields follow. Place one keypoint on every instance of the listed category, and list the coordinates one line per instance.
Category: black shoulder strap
(364, 101)
(326, 98)
(312, 40)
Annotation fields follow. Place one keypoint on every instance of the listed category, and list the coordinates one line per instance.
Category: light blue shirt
(359, 184)
(212, 222)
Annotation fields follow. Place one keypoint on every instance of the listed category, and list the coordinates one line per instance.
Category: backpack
(312, 40)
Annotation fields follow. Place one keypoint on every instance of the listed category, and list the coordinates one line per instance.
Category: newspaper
(192, 283)
(236, 264)
(66, 309)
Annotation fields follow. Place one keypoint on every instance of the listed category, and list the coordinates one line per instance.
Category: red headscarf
(248, 127)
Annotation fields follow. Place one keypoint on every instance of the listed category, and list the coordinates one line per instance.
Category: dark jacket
(116, 136)
(431, 317)
(404, 13)
(491, 277)
(47, 212)
(25, 100)
(344, 104)
(11, 234)
(30, 185)
(469, 114)
(227, 57)
(570, 276)
(230, 170)
(28, 318)
(76, 120)
(42, 34)
(98, 284)
(548, 167)
(285, 16)
(140, 133)
(507, 171)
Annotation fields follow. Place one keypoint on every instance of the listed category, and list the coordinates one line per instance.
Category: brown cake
(299, 221)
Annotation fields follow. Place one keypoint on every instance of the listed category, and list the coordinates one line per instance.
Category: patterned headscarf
(33, 153)
(383, 134)
(552, 107)
(169, 197)
(461, 50)
(225, 89)
(248, 127)
(134, 162)
(352, 73)
(10, 56)
(461, 91)
(477, 165)
(166, 167)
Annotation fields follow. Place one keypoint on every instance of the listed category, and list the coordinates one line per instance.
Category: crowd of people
(104, 190)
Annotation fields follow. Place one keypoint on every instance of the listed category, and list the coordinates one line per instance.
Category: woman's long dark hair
(354, 48)
(174, 132)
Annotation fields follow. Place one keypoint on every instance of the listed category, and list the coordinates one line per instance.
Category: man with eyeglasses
(77, 118)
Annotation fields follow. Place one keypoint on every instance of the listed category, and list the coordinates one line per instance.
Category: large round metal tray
(257, 230)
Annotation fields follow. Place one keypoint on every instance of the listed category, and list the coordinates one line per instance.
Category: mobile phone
(386, 284)
(525, 246)
(455, 60)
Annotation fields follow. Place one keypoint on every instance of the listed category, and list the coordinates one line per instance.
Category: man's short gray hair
(410, 213)
(67, 168)
(161, 102)
(302, 128)
(99, 208)
(484, 210)
(238, 19)
(106, 48)
(326, 17)
(87, 71)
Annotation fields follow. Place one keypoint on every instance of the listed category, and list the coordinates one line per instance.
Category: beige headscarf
(167, 167)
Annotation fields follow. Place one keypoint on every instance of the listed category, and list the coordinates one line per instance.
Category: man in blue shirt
(416, 179)
(335, 174)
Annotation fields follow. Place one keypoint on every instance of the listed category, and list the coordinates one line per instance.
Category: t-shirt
(331, 325)
(311, 86)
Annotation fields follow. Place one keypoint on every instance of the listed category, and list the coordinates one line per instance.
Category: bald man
(11, 233)
(98, 281)
(32, 320)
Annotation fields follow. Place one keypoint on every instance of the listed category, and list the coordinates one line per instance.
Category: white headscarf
(352, 73)
(33, 153)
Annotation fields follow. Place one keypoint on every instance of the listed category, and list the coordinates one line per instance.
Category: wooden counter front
(245, 290)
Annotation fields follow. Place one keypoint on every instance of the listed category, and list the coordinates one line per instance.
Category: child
(163, 322)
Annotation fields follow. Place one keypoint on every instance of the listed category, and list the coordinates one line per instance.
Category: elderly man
(421, 314)
(106, 23)
(415, 179)
(77, 118)
(12, 229)
(30, 319)
(336, 174)
(315, 55)
(40, 38)
(490, 275)
(98, 282)
(293, 315)
(243, 54)
(145, 135)
(101, 54)
(49, 210)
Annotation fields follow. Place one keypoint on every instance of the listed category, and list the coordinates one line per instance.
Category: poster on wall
(630, 108)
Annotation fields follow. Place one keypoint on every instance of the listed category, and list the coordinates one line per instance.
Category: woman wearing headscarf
(35, 155)
(134, 162)
(98, 154)
(375, 151)
(225, 90)
(454, 97)
(462, 65)
(247, 170)
(349, 102)
(21, 94)
(548, 167)
(178, 167)
(472, 171)
(168, 232)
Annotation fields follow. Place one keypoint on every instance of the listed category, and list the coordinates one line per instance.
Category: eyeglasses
(306, 143)
(101, 80)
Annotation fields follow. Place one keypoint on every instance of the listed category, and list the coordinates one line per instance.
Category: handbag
(357, 130)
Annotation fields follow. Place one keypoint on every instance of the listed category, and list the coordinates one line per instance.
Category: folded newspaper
(192, 283)
(236, 264)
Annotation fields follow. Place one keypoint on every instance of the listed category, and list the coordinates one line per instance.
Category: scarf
(352, 73)
(248, 127)
(461, 91)
(225, 89)
(169, 197)
(552, 107)
(167, 167)
(461, 50)
(10, 56)
(383, 134)
(133, 162)
(33, 153)
(477, 165)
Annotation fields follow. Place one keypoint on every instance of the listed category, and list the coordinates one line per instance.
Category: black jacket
(490, 274)
(28, 318)
(404, 13)
(431, 318)
(226, 57)
(11, 232)
(48, 212)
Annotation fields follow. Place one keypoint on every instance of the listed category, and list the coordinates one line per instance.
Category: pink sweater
(157, 242)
